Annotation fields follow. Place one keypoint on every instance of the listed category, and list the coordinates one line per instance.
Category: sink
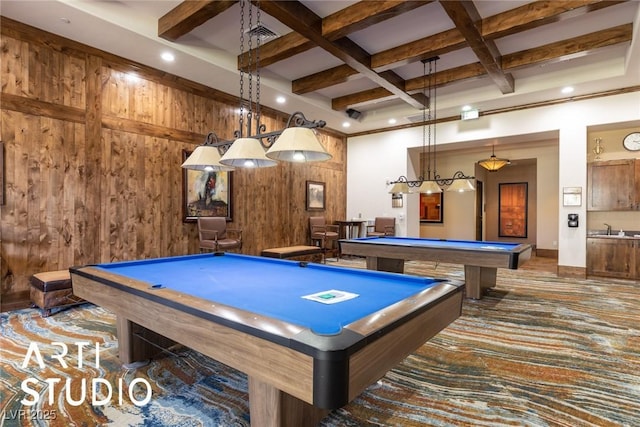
(603, 234)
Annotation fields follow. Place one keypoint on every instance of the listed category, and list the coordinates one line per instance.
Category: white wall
(374, 159)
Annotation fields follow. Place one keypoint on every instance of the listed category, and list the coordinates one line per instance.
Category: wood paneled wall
(93, 147)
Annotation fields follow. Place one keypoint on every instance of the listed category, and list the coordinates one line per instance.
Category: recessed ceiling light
(167, 56)
(466, 108)
(392, 121)
(346, 124)
(281, 100)
(567, 89)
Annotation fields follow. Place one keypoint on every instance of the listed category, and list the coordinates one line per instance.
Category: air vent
(262, 32)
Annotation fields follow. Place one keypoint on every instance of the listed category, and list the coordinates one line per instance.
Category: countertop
(602, 234)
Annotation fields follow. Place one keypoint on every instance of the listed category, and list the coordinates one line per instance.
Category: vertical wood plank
(91, 180)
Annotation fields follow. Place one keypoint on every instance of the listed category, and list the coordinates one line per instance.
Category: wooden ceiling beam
(378, 94)
(322, 79)
(277, 50)
(465, 16)
(537, 14)
(550, 53)
(529, 16)
(302, 20)
(337, 25)
(568, 49)
(189, 15)
(364, 14)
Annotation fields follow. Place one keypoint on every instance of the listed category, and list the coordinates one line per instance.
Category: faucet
(608, 229)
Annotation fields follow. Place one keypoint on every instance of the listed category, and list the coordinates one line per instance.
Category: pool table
(481, 259)
(303, 356)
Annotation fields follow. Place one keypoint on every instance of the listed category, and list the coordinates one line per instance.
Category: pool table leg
(391, 265)
(270, 407)
(137, 343)
(477, 279)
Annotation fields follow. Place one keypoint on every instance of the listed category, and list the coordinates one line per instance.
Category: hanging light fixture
(207, 156)
(493, 163)
(298, 142)
(425, 183)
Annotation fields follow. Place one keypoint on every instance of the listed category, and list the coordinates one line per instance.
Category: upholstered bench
(52, 289)
(292, 252)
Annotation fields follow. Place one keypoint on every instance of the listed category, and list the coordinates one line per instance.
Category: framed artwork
(431, 207)
(512, 213)
(315, 196)
(206, 193)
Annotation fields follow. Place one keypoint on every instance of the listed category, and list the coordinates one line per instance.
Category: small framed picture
(572, 196)
(315, 196)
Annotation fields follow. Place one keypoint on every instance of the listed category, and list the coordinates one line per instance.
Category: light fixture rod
(297, 119)
(440, 181)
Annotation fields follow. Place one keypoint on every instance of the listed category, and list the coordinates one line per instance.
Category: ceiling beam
(465, 16)
(538, 13)
(547, 54)
(277, 50)
(364, 14)
(322, 79)
(526, 17)
(568, 49)
(302, 20)
(189, 15)
(337, 25)
(441, 78)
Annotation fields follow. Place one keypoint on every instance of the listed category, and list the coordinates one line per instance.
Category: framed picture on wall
(315, 196)
(512, 210)
(431, 207)
(206, 193)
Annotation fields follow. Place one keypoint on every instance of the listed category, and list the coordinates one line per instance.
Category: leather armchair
(215, 236)
(321, 234)
(382, 226)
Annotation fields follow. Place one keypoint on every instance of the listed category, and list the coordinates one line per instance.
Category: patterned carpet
(538, 350)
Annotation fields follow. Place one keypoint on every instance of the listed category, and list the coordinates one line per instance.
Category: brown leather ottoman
(292, 252)
(52, 289)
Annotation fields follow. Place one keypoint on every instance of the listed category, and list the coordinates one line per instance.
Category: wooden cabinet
(613, 185)
(611, 257)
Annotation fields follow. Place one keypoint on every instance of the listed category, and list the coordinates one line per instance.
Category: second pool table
(302, 357)
(481, 259)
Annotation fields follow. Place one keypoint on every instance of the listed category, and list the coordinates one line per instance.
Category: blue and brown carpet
(537, 350)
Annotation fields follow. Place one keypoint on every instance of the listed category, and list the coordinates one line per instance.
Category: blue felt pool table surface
(274, 287)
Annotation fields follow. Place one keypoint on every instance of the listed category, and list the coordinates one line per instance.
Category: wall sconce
(598, 149)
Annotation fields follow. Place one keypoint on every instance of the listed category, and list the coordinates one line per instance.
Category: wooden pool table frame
(293, 381)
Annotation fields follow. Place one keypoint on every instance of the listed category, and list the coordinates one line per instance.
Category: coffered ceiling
(327, 57)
